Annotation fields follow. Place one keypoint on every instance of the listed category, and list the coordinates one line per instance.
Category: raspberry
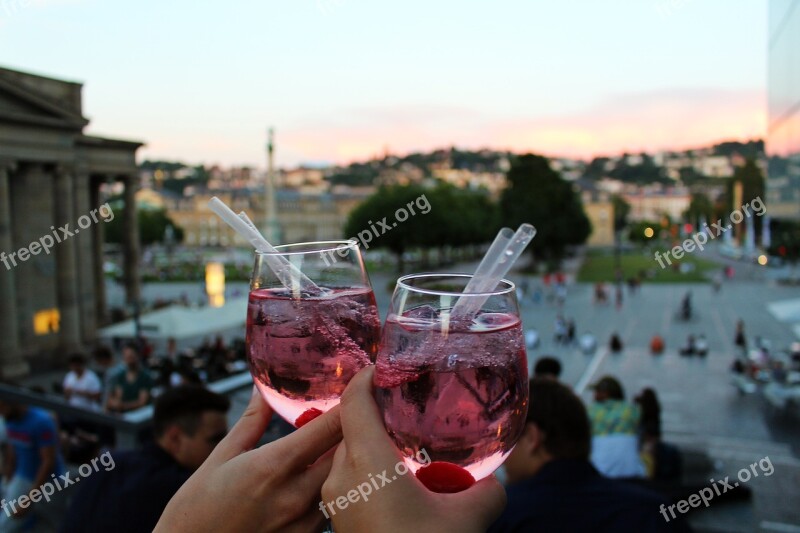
(307, 416)
(443, 477)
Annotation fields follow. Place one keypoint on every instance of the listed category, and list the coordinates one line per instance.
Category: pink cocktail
(454, 387)
(303, 347)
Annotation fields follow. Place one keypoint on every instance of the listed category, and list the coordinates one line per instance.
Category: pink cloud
(649, 121)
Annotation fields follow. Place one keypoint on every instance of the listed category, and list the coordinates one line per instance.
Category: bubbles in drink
(460, 395)
(303, 352)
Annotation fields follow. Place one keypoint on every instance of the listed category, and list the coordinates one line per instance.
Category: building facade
(783, 131)
(301, 216)
(51, 220)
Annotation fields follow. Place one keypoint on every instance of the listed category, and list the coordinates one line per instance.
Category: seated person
(615, 343)
(701, 345)
(615, 425)
(547, 367)
(188, 422)
(656, 344)
(588, 343)
(554, 487)
(690, 348)
(130, 389)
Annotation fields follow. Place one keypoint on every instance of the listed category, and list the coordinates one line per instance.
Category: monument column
(66, 262)
(85, 249)
(130, 242)
(11, 360)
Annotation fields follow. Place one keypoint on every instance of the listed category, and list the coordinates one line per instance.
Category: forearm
(45, 469)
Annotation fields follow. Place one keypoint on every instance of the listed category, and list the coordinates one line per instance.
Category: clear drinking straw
(288, 274)
(495, 265)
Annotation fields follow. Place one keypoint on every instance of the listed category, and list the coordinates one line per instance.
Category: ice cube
(491, 321)
(423, 312)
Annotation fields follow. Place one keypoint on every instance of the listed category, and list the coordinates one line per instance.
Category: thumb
(245, 434)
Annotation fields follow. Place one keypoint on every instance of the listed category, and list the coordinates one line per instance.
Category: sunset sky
(200, 81)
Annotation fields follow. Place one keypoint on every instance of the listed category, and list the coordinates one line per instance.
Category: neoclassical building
(52, 295)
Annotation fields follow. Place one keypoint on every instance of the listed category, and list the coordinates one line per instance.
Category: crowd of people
(192, 477)
(188, 421)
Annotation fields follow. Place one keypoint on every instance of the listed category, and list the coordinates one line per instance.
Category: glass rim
(402, 282)
(322, 247)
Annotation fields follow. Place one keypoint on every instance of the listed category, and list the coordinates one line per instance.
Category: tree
(152, 226)
(700, 208)
(752, 182)
(621, 211)
(537, 194)
(445, 216)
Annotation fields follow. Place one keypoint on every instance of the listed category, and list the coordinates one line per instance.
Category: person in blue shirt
(553, 485)
(32, 458)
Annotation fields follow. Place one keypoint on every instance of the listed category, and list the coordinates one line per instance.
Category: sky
(344, 80)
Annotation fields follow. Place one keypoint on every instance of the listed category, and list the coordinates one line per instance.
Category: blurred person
(570, 331)
(547, 367)
(615, 343)
(739, 338)
(130, 494)
(588, 343)
(531, 338)
(276, 487)
(31, 458)
(657, 344)
(82, 387)
(701, 345)
(615, 425)
(130, 389)
(560, 328)
(689, 348)
(686, 306)
(649, 428)
(553, 486)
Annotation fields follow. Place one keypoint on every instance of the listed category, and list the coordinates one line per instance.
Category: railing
(127, 425)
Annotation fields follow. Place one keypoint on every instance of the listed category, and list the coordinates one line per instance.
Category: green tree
(621, 211)
(700, 208)
(537, 194)
(752, 182)
(152, 226)
(445, 216)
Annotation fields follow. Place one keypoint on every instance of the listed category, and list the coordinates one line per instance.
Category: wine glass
(304, 346)
(452, 390)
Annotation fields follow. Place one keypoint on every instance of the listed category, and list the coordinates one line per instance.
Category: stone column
(99, 238)
(85, 256)
(66, 262)
(130, 232)
(12, 364)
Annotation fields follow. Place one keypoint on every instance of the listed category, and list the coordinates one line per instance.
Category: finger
(310, 481)
(305, 445)
(362, 423)
(312, 521)
(247, 431)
